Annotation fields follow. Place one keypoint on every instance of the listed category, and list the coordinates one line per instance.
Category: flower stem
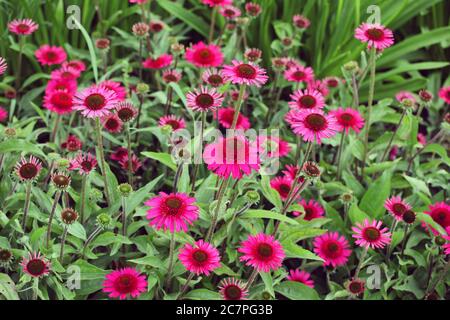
(361, 261)
(251, 279)
(212, 25)
(124, 223)
(90, 238)
(405, 237)
(355, 102)
(63, 242)
(389, 249)
(188, 280)
(441, 277)
(341, 146)
(196, 165)
(171, 260)
(83, 197)
(130, 164)
(237, 108)
(35, 289)
(369, 107)
(50, 218)
(27, 205)
(55, 128)
(102, 159)
(220, 194)
(388, 147)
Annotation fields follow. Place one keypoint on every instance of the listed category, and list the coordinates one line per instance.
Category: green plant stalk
(212, 25)
(355, 101)
(90, 238)
(35, 289)
(388, 147)
(237, 108)
(124, 223)
(432, 140)
(63, 242)
(196, 165)
(19, 66)
(26, 207)
(405, 238)
(369, 107)
(361, 261)
(339, 164)
(251, 279)
(441, 277)
(83, 197)
(130, 164)
(55, 128)
(102, 159)
(186, 285)
(171, 260)
(50, 218)
(389, 249)
(138, 122)
(222, 190)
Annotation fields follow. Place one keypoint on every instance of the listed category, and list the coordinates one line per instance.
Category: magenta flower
(95, 101)
(245, 73)
(204, 55)
(50, 55)
(371, 234)
(332, 248)
(123, 282)
(199, 258)
(301, 276)
(312, 125)
(347, 119)
(23, 27)
(262, 252)
(375, 35)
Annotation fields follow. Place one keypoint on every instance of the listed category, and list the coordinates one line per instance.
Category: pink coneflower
(136, 164)
(232, 289)
(213, 77)
(204, 55)
(234, 156)
(123, 282)
(59, 101)
(331, 82)
(112, 123)
(169, 76)
(217, 3)
(102, 43)
(355, 287)
(253, 9)
(3, 65)
(253, 54)
(299, 74)
(300, 276)
(282, 185)
(318, 85)
(230, 12)
(397, 207)
(375, 35)
(393, 153)
(140, 29)
(200, 258)
(226, 116)
(234, 95)
(245, 73)
(28, 170)
(119, 154)
(371, 234)
(291, 171)
(156, 26)
(313, 210)
(83, 163)
(332, 248)
(75, 64)
(176, 123)
(273, 147)
(160, 62)
(121, 92)
(262, 252)
(50, 55)
(400, 96)
(61, 84)
(23, 27)
(444, 94)
(440, 212)
(313, 125)
(307, 99)
(95, 101)
(66, 73)
(126, 111)
(35, 265)
(300, 21)
(72, 144)
(3, 114)
(204, 99)
(421, 138)
(174, 211)
(347, 119)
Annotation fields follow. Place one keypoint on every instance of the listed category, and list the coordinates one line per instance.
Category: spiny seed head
(252, 196)
(266, 295)
(6, 256)
(409, 217)
(125, 189)
(347, 197)
(10, 132)
(425, 95)
(60, 180)
(104, 221)
(311, 170)
(177, 48)
(69, 216)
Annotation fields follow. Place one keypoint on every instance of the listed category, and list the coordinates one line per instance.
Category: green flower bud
(104, 221)
(125, 189)
(63, 163)
(95, 195)
(347, 197)
(142, 88)
(252, 196)
(351, 66)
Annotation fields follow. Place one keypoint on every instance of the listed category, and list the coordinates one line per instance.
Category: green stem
(35, 289)
(63, 242)
(50, 218)
(55, 128)
(83, 197)
(171, 260)
(27, 205)
(212, 25)
(196, 165)
(221, 193)
(251, 279)
(130, 164)
(90, 238)
(389, 249)
(186, 285)
(361, 261)
(237, 108)
(341, 146)
(388, 147)
(405, 238)
(102, 159)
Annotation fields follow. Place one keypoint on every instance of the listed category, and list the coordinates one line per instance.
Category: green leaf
(271, 194)
(294, 251)
(15, 145)
(202, 294)
(356, 214)
(7, 288)
(268, 282)
(77, 230)
(258, 213)
(88, 40)
(373, 200)
(149, 261)
(296, 291)
(417, 185)
(164, 158)
(137, 197)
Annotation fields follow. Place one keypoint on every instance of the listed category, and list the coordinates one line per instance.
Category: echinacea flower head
(307, 99)
(313, 125)
(213, 77)
(444, 94)
(440, 213)
(3, 114)
(175, 122)
(400, 96)
(199, 258)
(245, 73)
(23, 27)
(371, 234)
(61, 84)
(230, 12)
(83, 163)
(60, 180)
(332, 248)
(272, 146)
(66, 73)
(136, 164)
(169, 76)
(95, 101)
(375, 35)
(75, 64)
(300, 21)
(217, 3)
(123, 282)
(204, 99)
(6, 257)
(300, 276)
(69, 216)
(355, 287)
(174, 211)
(397, 207)
(262, 252)
(253, 9)
(119, 154)
(291, 171)
(3, 65)
(235, 156)
(126, 111)
(204, 55)
(282, 185)
(140, 29)
(50, 55)
(112, 123)
(72, 144)
(35, 265)
(313, 209)
(233, 289)
(347, 119)
(226, 116)
(160, 62)
(103, 44)
(117, 87)
(59, 101)
(28, 169)
(156, 26)
(299, 74)
(253, 54)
